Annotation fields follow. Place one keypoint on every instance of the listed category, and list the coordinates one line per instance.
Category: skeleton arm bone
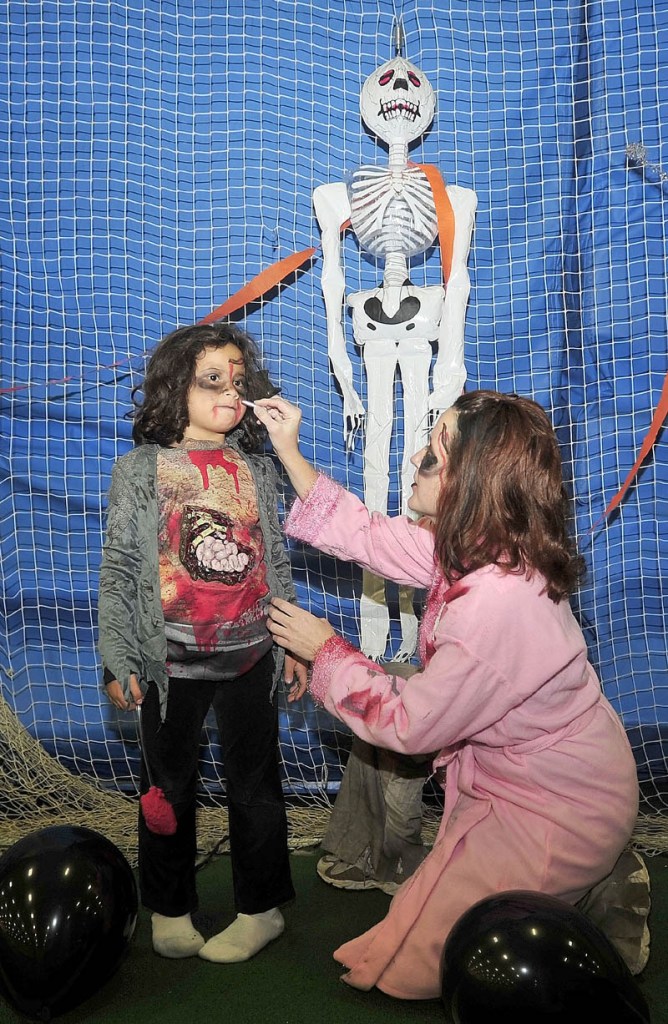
(332, 208)
(449, 375)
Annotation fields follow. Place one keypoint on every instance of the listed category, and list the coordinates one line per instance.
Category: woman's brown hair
(161, 416)
(503, 499)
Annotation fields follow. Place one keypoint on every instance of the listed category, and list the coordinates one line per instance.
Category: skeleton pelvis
(397, 313)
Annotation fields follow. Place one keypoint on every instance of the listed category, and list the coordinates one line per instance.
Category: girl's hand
(296, 677)
(115, 694)
(298, 631)
(282, 420)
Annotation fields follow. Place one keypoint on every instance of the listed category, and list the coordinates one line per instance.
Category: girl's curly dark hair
(161, 416)
(503, 499)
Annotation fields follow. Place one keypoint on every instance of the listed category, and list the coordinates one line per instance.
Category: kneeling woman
(540, 783)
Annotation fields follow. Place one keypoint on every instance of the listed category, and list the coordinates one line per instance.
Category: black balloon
(68, 909)
(527, 958)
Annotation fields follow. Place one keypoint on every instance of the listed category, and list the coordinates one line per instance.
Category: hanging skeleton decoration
(393, 213)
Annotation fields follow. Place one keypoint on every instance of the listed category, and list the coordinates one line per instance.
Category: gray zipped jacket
(130, 617)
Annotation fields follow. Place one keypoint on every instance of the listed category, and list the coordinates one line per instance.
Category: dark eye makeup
(214, 382)
(429, 460)
(208, 382)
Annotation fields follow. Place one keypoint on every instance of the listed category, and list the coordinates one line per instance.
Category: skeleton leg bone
(414, 363)
(380, 360)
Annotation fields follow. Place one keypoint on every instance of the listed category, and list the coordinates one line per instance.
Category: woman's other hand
(298, 631)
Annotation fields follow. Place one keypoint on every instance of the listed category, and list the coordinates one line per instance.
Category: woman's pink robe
(540, 783)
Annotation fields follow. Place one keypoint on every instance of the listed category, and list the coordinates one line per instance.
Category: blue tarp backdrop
(155, 157)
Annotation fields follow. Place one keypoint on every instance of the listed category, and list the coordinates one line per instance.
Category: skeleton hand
(353, 415)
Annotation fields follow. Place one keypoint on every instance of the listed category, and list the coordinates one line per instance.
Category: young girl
(192, 556)
(539, 778)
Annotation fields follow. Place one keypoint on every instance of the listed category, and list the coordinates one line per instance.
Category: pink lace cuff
(326, 660)
(308, 516)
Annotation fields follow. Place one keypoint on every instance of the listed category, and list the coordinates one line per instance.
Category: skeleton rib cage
(392, 210)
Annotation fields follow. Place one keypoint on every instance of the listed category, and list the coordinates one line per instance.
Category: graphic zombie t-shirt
(212, 563)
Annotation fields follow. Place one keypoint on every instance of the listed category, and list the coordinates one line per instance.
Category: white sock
(246, 936)
(175, 937)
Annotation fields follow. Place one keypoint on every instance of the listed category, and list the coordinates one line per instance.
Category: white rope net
(156, 157)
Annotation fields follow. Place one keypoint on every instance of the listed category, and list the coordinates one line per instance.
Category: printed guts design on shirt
(210, 550)
(212, 568)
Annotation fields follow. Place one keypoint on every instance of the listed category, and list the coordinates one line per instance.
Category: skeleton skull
(397, 102)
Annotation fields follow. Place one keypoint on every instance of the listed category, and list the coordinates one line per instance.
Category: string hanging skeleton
(393, 215)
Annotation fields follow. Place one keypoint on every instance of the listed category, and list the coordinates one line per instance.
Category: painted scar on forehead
(235, 368)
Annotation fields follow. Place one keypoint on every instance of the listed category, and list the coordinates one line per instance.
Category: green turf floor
(294, 980)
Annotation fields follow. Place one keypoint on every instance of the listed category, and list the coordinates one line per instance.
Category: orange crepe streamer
(657, 422)
(444, 215)
(264, 282)
(260, 284)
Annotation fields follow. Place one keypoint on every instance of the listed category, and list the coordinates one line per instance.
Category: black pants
(247, 720)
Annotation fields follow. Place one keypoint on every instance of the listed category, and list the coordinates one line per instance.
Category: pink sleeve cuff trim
(307, 517)
(332, 652)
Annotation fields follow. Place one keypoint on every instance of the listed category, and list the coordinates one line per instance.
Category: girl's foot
(175, 937)
(246, 936)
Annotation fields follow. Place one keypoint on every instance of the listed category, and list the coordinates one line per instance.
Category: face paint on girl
(214, 398)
